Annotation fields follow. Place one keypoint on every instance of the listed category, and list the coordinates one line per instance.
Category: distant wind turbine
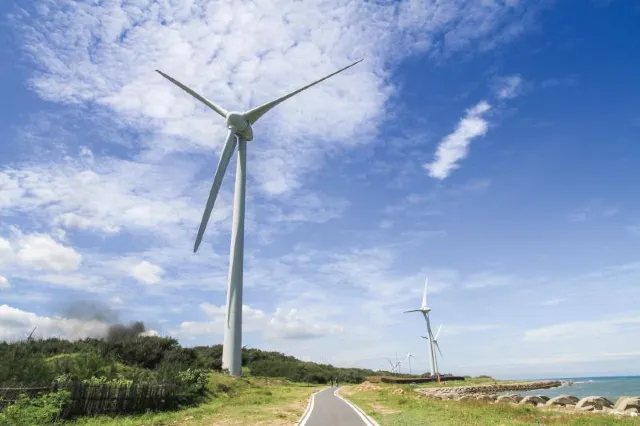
(437, 346)
(240, 132)
(424, 309)
(409, 356)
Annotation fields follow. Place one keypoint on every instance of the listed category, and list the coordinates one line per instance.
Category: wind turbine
(409, 356)
(424, 309)
(437, 346)
(240, 132)
(30, 336)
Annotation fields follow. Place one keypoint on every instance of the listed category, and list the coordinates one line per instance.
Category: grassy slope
(233, 402)
(394, 405)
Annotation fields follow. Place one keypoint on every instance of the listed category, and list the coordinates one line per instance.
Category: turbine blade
(196, 95)
(425, 337)
(424, 295)
(254, 114)
(225, 157)
(438, 332)
(413, 310)
(438, 347)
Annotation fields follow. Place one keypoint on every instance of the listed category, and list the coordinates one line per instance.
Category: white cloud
(577, 330)
(14, 323)
(454, 147)
(591, 210)
(292, 325)
(509, 87)
(281, 325)
(6, 250)
(107, 195)
(487, 279)
(40, 251)
(634, 230)
(146, 273)
(455, 329)
(555, 301)
(4, 283)
(104, 54)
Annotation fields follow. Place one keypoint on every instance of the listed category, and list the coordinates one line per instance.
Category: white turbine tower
(424, 309)
(240, 132)
(409, 356)
(437, 346)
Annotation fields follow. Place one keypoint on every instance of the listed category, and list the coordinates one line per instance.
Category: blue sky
(489, 145)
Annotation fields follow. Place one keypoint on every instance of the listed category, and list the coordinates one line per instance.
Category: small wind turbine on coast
(424, 310)
(240, 131)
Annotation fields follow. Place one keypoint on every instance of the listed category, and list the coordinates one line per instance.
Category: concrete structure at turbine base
(240, 132)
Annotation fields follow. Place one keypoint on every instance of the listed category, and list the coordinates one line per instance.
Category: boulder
(486, 398)
(532, 399)
(545, 398)
(627, 404)
(514, 398)
(561, 400)
(597, 402)
(465, 398)
(585, 408)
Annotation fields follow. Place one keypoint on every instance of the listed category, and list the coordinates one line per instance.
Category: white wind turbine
(424, 309)
(437, 346)
(240, 132)
(409, 356)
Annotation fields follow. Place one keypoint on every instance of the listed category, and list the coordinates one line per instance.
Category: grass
(394, 405)
(231, 401)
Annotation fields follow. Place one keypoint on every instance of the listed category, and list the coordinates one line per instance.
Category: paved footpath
(327, 409)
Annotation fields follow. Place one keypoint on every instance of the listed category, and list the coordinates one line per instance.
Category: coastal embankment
(487, 389)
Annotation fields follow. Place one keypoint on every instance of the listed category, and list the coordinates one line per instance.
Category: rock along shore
(625, 405)
(489, 388)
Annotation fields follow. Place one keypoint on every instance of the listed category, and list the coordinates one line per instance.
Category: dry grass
(234, 402)
(393, 405)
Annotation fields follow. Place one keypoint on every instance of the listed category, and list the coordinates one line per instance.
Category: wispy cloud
(487, 279)
(509, 87)
(552, 302)
(455, 146)
(634, 230)
(592, 210)
(455, 329)
(585, 329)
(281, 324)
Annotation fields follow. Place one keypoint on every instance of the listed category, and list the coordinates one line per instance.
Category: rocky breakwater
(455, 392)
(624, 406)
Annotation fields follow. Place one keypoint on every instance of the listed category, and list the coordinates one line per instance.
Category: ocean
(609, 387)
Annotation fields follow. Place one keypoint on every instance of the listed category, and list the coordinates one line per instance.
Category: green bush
(44, 409)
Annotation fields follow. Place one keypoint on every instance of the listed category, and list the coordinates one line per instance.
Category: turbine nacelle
(240, 126)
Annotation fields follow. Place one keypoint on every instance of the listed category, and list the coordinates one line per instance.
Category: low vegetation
(400, 405)
(52, 380)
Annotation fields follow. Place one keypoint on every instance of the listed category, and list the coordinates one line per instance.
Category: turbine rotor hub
(239, 125)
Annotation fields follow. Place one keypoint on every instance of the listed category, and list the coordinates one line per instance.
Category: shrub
(42, 410)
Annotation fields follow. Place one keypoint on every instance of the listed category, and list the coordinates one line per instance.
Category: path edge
(357, 409)
(309, 409)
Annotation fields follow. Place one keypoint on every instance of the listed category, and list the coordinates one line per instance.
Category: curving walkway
(327, 408)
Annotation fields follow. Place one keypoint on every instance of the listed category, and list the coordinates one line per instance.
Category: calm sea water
(609, 387)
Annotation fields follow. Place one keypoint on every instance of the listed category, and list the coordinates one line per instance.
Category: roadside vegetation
(90, 381)
(400, 405)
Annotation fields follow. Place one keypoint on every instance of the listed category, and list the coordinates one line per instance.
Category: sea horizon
(611, 387)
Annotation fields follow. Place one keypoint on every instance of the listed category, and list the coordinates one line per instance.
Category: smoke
(98, 311)
(117, 332)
